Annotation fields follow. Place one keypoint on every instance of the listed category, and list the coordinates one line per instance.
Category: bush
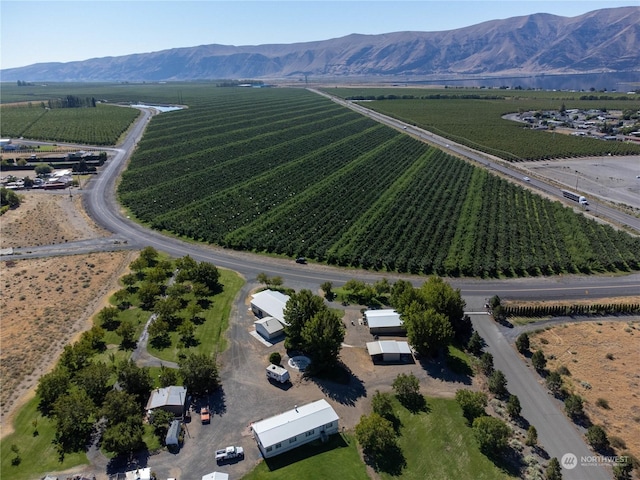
(597, 438)
(498, 383)
(522, 343)
(473, 404)
(275, 358)
(603, 403)
(492, 434)
(539, 361)
(573, 406)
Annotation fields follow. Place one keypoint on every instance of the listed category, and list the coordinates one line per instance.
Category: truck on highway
(575, 197)
(229, 453)
(277, 373)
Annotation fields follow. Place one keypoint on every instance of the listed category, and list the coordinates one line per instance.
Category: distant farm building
(389, 351)
(269, 303)
(384, 322)
(295, 428)
(269, 327)
(172, 399)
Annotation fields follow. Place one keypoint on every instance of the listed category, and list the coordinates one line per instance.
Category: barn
(389, 351)
(269, 328)
(384, 322)
(301, 425)
(269, 303)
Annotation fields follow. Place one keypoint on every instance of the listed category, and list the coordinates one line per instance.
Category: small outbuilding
(172, 440)
(138, 474)
(384, 322)
(172, 399)
(216, 476)
(389, 351)
(269, 303)
(296, 427)
(269, 327)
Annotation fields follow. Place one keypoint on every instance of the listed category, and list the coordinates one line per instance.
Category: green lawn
(439, 445)
(38, 453)
(338, 458)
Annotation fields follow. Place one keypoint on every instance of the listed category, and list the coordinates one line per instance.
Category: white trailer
(279, 374)
(575, 197)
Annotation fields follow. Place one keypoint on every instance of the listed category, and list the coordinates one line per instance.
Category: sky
(63, 31)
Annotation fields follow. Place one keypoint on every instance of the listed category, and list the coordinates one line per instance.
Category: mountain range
(606, 40)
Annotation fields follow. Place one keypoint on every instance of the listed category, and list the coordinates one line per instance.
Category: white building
(296, 427)
(389, 351)
(384, 322)
(216, 476)
(171, 399)
(269, 327)
(269, 303)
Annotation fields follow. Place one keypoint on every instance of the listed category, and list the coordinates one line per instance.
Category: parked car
(301, 260)
(229, 453)
(205, 415)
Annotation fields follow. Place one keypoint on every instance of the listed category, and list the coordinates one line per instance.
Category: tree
(127, 331)
(327, 288)
(118, 406)
(9, 198)
(129, 280)
(124, 437)
(122, 298)
(475, 343)
(43, 169)
(149, 256)
(532, 436)
(73, 413)
(407, 389)
(402, 295)
(159, 334)
(573, 406)
(135, 380)
(108, 317)
(167, 309)
(76, 356)
(427, 330)
(323, 336)
(473, 404)
(168, 376)
(199, 373)
(51, 386)
(492, 434)
(208, 275)
(513, 406)
(554, 382)
(597, 438)
(623, 468)
(498, 383)
(382, 404)
(553, 470)
(147, 294)
(522, 343)
(444, 299)
(375, 435)
(160, 422)
(494, 301)
(300, 308)
(94, 379)
(187, 331)
(539, 361)
(486, 363)
(275, 358)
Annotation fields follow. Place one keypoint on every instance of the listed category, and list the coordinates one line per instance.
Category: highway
(556, 434)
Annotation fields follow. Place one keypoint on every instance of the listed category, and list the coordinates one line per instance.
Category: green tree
(148, 292)
(554, 382)
(492, 435)
(327, 288)
(427, 330)
(623, 468)
(129, 280)
(118, 406)
(407, 389)
(573, 406)
(187, 332)
(122, 298)
(168, 376)
(160, 422)
(9, 198)
(51, 386)
(76, 356)
(94, 379)
(127, 331)
(539, 361)
(167, 309)
(402, 295)
(199, 373)
(135, 380)
(375, 435)
(553, 470)
(74, 415)
(513, 406)
(208, 275)
(323, 336)
(473, 404)
(522, 343)
(43, 169)
(149, 256)
(532, 436)
(300, 308)
(498, 383)
(597, 438)
(124, 437)
(475, 343)
(382, 404)
(159, 334)
(275, 358)
(444, 299)
(486, 363)
(109, 318)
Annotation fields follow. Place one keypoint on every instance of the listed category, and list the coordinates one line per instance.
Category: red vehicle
(205, 415)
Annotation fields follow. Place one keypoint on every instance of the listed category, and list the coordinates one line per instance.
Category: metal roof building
(171, 399)
(296, 427)
(384, 322)
(269, 327)
(269, 303)
(388, 350)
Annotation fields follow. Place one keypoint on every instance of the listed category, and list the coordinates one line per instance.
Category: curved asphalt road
(556, 434)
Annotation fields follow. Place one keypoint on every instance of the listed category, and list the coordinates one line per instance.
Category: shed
(138, 474)
(172, 399)
(216, 476)
(295, 427)
(269, 327)
(388, 350)
(269, 303)
(384, 322)
(173, 435)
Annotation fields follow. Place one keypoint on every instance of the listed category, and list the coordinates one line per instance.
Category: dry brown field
(604, 361)
(47, 303)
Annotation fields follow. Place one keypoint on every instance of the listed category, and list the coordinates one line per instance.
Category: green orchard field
(284, 171)
(473, 117)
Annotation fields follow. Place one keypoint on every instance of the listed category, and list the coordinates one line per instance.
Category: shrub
(597, 438)
(538, 361)
(522, 343)
(603, 403)
(275, 358)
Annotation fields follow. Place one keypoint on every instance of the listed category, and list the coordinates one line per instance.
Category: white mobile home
(384, 322)
(296, 427)
(269, 303)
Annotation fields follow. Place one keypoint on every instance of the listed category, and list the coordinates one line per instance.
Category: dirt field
(604, 361)
(46, 303)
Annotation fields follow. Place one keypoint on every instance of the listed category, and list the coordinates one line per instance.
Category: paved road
(556, 433)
